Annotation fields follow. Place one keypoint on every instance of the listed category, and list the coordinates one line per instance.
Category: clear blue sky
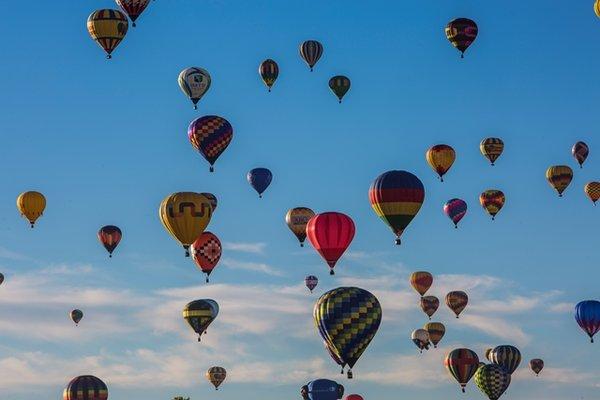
(105, 141)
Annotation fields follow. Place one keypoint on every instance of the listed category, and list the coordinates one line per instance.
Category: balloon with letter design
(461, 32)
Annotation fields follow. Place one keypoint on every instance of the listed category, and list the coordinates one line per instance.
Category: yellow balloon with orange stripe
(31, 205)
(185, 215)
(441, 157)
(592, 190)
(559, 177)
(107, 27)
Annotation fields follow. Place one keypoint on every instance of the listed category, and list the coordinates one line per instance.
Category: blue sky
(105, 141)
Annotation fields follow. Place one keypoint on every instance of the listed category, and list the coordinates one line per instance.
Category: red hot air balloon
(210, 135)
(330, 233)
(206, 252)
(354, 397)
(110, 236)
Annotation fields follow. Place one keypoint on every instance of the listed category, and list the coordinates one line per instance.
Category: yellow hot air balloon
(107, 27)
(559, 177)
(296, 219)
(31, 205)
(597, 8)
(491, 148)
(441, 157)
(185, 215)
(592, 190)
(436, 332)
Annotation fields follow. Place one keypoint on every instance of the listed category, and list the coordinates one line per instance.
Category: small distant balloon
(429, 305)
(440, 158)
(297, 219)
(455, 209)
(461, 32)
(206, 252)
(259, 179)
(330, 233)
(199, 314)
(587, 315)
(110, 236)
(133, 8)
(76, 316)
(436, 332)
(268, 71)
(311, 282)
(457, 301)
(339, 85)
(580, 151)
(559, 177)
(31, 205)
(420, 338)
(491, 148)
(592, 191)
(311, 51)
(216, 376)
(536, 365)
(421, 281)
(492, 201)
(210, 135)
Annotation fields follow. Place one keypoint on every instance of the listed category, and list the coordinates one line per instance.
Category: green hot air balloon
(339, 85)
(492, 380)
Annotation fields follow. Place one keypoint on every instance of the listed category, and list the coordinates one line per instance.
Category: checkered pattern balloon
(492, 380)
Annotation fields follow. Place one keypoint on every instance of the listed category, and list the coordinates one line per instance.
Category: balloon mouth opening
(398, 242)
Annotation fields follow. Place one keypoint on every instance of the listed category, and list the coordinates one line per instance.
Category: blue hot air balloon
(587, 314)
(322, 389)
(259, 179)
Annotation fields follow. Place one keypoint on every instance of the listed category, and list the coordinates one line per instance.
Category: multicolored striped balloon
(421, 281)
(108, 28)
(311, 51)
(133, 8)
(492, 200)
(440, 158)
(110, 236)
(580, 151)
(269, 72)
(429, 305)
(491, 148)
(462, 365)
(506, 356)
(559, 177)
(457, 301)
(311, 282)
(396, 198)
(436, 332)
(455, 209)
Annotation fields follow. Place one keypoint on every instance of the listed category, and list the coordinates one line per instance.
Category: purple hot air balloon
(587, 314)
(259, 179)
(455, 209)
(311, 282)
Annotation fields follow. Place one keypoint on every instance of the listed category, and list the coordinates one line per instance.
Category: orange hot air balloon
(492, 201)
(559, 177)
(457, 301)
(31, 205)
(441, 157)
(421, 281)
(592, 190)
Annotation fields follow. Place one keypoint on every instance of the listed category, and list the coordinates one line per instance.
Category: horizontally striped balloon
(396, 198)
(440, 158)
(429, 305)
(455, 209)
(559, 177)
(492, 201)
(108, 28)
(457, 301)
(506, 356)
(311, 51)
(491, 148)
(492, 380)
(436, 332)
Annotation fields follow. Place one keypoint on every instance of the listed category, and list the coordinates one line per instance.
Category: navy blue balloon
(587, 314)
(322, 389)
(259, 179)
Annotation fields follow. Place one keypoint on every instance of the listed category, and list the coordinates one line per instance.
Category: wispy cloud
(11, 255)
(250, 266)
(253, 248)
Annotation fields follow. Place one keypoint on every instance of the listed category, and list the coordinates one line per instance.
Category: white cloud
(250, 266)
(253, 248)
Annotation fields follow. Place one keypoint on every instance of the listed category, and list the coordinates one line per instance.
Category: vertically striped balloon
(592, 190)
(457, 301)
(31, 205)
(491, 148)
(210, 135)
(580, 151)
(339, 85)
(330, 233)
(440, 158)
(536, 365)
(462, 364)
(268, 71)
(559, 177)
(133, 8)
(396, 198)
(492, 201)
(107, 27)
(311, 51)
(587, 315)
(455, 209)
(421, 281)
(429, 305)
(492, 380)
(85, 387)
(506, 356)
(436, 332)
(461, 32)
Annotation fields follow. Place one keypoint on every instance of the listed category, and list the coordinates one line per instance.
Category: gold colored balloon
(31, 205)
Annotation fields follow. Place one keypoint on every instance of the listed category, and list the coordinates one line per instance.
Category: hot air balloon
(194, 83)
(206, 252)
(461, 32)
(85, 387)
(597, 8)
(506, 356)
(487, 354)
(76, 316)
(347, 319)
(213, 200)
(107, 27)
(592, 190)
(492, 201)
(421, 281)
(297, 219)
(311, 51)
(455, 209)
(420, 338)
(199, 314)
(440, 158)
(354, 397)
(339, 85)
(110, 236)
(492, 380)
(259, 179)
(334, 356)
(1, 279)
(462, 364)
(396, 198)
(429, 305)
(457, 301)
(133, 8)
(311, 282)
(491, 148)
(536, 365)
(185, 215)
(580, 151)
(31, 205)
(587, 315)
(216, 376)
(436, 332)
(210, 135)
(330, 233)
(559, 177)
(322, 389)
(269, 71)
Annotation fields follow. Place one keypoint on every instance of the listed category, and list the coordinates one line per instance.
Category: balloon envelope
(587, 315)
(322, 389)
(297, 219)
(269, 71)
(199, 314)
(491, 148)
(108, 28)
(330, 233)
(455, 209)
(311, 51)
(421, 281)
(133, 8)
(440, 158)
(457, 301)
(506, 356)
(31, 205)
(492, 380)
(559, 177)
(461, 32)
(580, 151)
(210, 135)
(194, 83)
(86, 387)
(462, 364)
(110, 236)
(259, 179)
(206, 252)
(216, 376)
